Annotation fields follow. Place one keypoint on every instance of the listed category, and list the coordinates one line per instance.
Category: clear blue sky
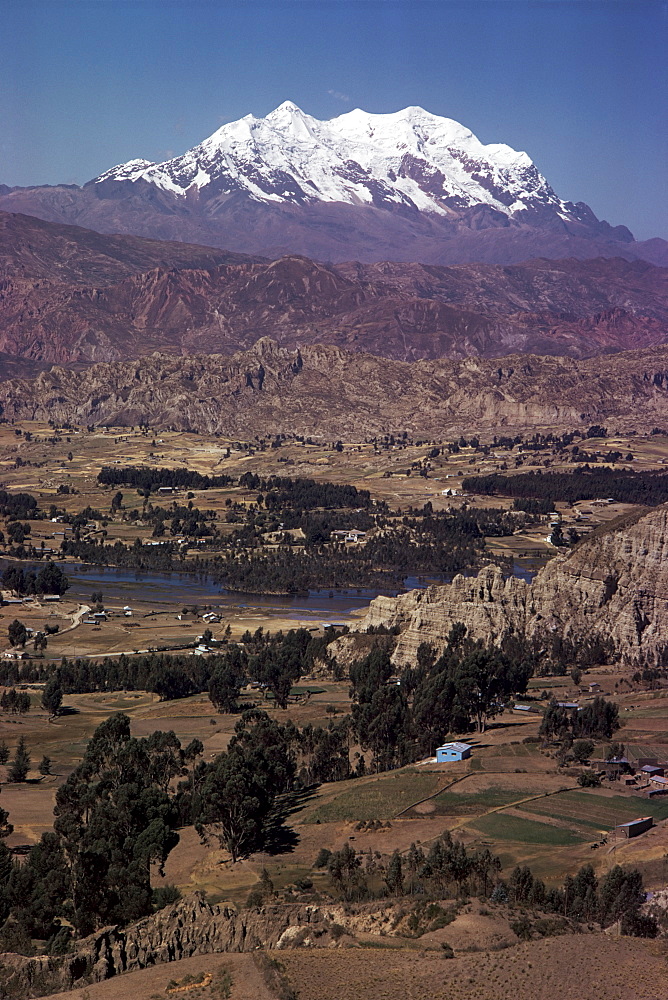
(581, 86)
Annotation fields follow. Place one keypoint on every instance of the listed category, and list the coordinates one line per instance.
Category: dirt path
(77, 618)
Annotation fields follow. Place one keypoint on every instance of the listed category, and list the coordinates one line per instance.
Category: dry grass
(571, 968)
(153, 983)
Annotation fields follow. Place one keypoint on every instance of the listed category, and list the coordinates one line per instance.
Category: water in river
(169, 589)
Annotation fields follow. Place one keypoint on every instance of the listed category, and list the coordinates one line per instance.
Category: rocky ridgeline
(615, 583)
(190, 927)
(324, 390)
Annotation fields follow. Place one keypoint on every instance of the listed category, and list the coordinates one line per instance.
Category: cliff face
(615, 583)
(190, 927)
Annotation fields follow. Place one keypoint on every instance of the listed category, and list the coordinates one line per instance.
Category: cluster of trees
(617, 896)
(279, 492)
(115, 818)
(50, 579)
(16, 702)
(233, 798)
(275, 661)
(184, 520)
(16, 505)
(160, 558)
(143, 478)
(647, 488)
(401, 719)
(440, 544)
(599, 719)
(447, 869)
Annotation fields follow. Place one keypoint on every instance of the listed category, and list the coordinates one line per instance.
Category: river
(165, 590)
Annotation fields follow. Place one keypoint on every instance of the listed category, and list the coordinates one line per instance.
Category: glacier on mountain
(409, 160)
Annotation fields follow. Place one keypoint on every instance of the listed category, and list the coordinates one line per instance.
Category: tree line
(646, 488)
(49, 579)
(150, 480)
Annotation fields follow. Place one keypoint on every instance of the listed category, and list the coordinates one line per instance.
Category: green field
(379, 798)
(465, 804)
(587, 809)
(525, 831)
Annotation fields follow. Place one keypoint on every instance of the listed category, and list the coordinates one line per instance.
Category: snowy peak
(410, 160)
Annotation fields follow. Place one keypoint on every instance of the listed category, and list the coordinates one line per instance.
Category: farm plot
(586, 811)
(376, 798)
(500, 826)
(453, 803)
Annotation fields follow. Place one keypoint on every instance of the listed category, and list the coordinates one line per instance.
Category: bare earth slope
(614, 583)
(72, 296)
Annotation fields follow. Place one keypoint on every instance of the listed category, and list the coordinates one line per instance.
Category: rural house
(452, 751)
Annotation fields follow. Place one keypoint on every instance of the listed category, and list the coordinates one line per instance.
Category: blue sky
(581, 86)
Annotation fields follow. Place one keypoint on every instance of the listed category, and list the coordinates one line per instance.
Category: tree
(582, 750)
(383, 725)
(226, 681)
(279, 665)
(116, 819)
(598, 719)
(485, 678)
(52, 696)
(621, 893)
(45, 765)
(236, 801)
(394, 879)
(344, 868)
(589, 779)
(240, 788)
(18, 769)
(17, 633)
(51, 580)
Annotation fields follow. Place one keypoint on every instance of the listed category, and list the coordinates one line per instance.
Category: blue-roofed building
(452, 751)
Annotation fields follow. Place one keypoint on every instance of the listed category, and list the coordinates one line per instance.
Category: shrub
(589, 779)
(165, 896)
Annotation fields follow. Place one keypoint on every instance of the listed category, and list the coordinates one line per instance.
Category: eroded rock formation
(614, 583)
(321, 390)
(190, 927)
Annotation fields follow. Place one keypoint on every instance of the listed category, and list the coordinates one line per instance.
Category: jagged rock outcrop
(614, 583)
(190, 927)
(322, 390)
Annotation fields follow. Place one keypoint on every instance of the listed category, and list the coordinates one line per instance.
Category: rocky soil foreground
(614, 583)
(329, 392)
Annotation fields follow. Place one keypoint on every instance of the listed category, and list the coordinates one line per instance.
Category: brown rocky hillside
(72, 296)
(332, 393)
(614, 583)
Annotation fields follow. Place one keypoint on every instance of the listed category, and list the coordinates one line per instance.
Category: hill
(73, 296)
(332, 393)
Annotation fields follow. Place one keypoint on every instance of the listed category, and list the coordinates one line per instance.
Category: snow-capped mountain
(408, 186)
(411, 159)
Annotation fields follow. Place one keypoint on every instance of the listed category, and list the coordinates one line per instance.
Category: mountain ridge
(71, 296)
(332, 393)
(406, 186)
